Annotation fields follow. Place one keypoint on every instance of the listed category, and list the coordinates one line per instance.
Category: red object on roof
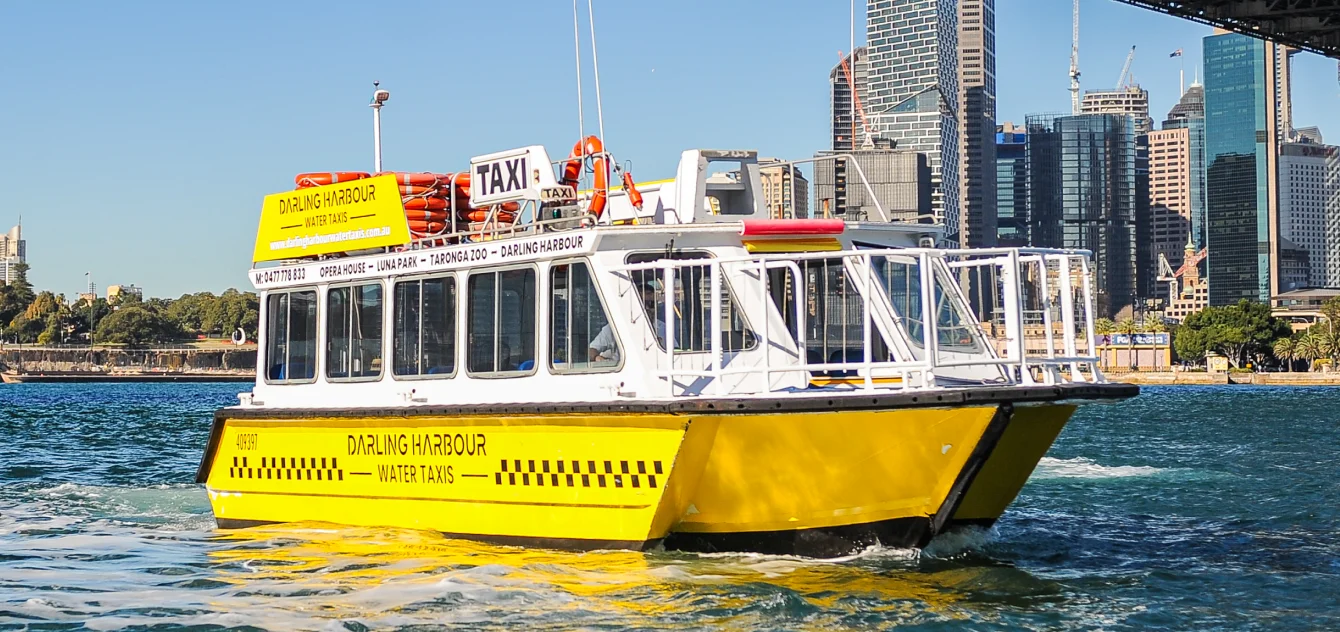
(767, 227)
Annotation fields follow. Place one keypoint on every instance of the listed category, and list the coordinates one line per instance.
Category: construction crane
(868, 142)
(1125, 80)
(1074, 63)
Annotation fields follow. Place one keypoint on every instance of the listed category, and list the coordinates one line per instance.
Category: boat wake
(1085, 468)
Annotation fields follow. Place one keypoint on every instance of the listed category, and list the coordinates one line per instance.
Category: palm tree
(1127, 326)
(1307, 349)
(1285, 350)
(1156, 326)
(1104, 326)
(1325, 345)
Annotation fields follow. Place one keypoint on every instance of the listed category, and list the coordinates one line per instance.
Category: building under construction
(851, 72)
(901, 180)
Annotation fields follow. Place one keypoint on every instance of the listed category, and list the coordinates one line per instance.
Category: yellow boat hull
(808, 482)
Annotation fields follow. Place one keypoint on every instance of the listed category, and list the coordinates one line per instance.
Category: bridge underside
(1312, 25)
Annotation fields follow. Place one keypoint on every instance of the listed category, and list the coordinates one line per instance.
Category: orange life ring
(425, 216)
(424, 204)
(415, 179)
(572, 171)
(413, 189)
(425, 227)
(304, 180)
(479, 215)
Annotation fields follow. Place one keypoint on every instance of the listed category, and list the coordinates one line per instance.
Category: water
(1187, 508)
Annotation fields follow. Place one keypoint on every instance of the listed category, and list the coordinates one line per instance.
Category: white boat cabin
(698, 293)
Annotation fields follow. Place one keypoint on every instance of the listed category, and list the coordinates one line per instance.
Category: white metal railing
(850, 160)
(1051, 274)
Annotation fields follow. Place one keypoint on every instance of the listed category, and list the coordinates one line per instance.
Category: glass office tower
(1241, 162)
(1083, 193)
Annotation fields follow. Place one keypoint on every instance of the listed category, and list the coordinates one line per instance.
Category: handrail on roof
(1017, 364)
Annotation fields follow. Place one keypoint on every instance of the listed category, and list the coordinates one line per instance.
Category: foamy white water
(1083, 467)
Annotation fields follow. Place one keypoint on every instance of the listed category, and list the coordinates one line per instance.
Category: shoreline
(1186, 378)
(80, 377)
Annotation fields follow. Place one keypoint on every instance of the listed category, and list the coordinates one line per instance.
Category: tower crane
(869, 141)
(1124, 81)
(1074, 62)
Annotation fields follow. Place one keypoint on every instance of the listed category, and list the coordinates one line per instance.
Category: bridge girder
(1311, 25)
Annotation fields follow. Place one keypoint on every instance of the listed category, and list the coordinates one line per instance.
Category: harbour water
(1186, 508)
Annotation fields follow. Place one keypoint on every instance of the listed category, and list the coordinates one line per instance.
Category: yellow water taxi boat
(677, 368)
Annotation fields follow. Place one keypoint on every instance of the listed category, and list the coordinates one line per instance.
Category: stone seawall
(1259, 379)
(241, 360)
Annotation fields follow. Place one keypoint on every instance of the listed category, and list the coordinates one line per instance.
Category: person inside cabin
(604, 348)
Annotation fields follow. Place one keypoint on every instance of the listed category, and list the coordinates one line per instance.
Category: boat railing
(492, 230)
(934, 335)
(849, 160)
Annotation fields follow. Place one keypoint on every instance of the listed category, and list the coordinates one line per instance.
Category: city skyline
(181, 134)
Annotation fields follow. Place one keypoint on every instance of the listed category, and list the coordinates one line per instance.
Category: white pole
(577, 46)
(595, 68)
(1181, 75)
(376, 138)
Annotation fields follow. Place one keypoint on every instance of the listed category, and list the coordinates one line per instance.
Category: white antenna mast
(595, 66)
(577, 46)
(1074, 62)
(379, 97)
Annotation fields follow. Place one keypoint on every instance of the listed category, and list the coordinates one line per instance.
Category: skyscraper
(1242, 139)
(1306, 203)
(13, 251)
(1011, 186)
(1189, 114)
(786, 192)
(913, 90)
(1132, 100)
(977, 122)
(1083, 193)
(1170, 179)
(848, 129)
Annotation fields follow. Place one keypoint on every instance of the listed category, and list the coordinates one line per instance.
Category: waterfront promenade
(1153, 378)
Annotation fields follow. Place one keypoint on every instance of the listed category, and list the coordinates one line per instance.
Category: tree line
(46, 318)
(1246, 334)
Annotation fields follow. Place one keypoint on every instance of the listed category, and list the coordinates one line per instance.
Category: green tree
(1331, 310)
(1104, 326)
(1155, 325)
(1308, 348)
(135, 326)
(189, 311)
(1237, 331)
(1190, 344)
(1128, 327)
(85, 316)
(1285, 351)
(43, 304)
(16, 295)
(24, 329)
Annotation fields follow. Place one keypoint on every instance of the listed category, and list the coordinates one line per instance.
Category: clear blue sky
(138, 138)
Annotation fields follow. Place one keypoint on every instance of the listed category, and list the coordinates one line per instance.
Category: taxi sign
(340, 217)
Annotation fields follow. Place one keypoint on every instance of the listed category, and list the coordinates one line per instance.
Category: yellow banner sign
(335, 218)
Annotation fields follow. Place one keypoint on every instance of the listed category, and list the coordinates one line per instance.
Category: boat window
(425, 328)
(290, 334)
(692, 305)
(581, 337)
(354, 332)
(501, 327)
(834, 313)
(901, 278)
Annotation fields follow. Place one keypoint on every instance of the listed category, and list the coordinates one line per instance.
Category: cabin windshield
(901, 280)
(691, 294)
